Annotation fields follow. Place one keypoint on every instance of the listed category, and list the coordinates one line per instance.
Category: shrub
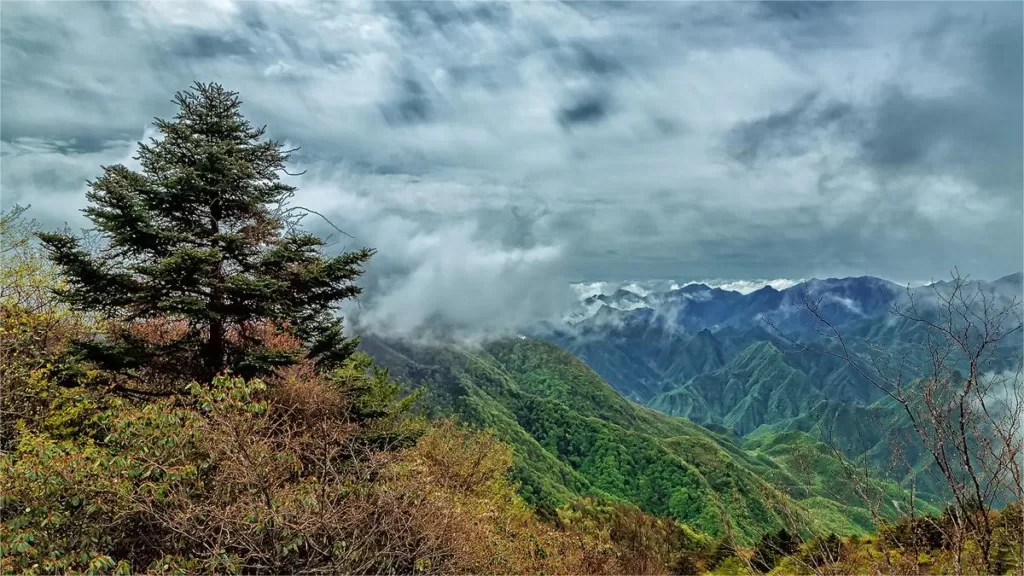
(624, 539)
(230, 479)
(35, 330)
(917, 533)
(314, 473)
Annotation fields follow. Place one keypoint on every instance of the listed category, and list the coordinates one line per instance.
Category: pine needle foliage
(205, 235)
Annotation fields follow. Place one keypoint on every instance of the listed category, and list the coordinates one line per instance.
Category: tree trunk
(216, 360)
(215, 353)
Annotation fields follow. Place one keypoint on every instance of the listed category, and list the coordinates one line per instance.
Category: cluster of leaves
(641, 543)
(774, 546)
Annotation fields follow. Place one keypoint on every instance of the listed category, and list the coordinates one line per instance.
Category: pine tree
(204, 237)
(772, 547)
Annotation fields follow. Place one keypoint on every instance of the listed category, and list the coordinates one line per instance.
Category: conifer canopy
(204, 236)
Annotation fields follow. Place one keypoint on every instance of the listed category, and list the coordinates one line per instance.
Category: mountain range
(696, 402)
(651, 344)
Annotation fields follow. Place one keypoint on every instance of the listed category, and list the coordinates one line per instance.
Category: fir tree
(204, 237)
(772, 547)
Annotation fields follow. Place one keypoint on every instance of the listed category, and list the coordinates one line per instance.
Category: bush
(918, 533)
(1008, 539)
(623, 539)
(237, 477)
(823, 550)
(309, 474)
(35, 331)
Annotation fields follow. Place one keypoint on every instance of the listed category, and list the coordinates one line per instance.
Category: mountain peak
(627, 295)
(763, 347)
(1016, 278)
(757, 353)
(693, 288)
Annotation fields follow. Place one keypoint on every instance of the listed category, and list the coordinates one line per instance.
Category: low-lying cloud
(432, 276)
(459, 284)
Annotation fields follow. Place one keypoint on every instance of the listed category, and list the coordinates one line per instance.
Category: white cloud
(460, 283)
(211, 15)
(748, 286)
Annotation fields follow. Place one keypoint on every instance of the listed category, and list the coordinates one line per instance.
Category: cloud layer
(493, 153)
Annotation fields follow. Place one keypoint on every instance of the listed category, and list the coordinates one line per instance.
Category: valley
(701, 404)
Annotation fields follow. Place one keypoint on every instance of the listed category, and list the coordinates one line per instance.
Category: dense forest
(180, 395)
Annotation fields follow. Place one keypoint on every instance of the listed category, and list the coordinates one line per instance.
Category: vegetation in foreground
(179, 398)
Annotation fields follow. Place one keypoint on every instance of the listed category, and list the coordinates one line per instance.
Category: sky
(494, 153)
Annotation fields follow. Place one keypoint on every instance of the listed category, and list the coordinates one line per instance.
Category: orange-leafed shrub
(177, 348)
(262, 334)
(266, 335)
(157, 331)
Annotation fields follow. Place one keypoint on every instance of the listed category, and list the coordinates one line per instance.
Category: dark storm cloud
(428, 17)
(788, 132)
(975, 129)
(411, 104)
(581, 57)
(491, 151)
(797, 10)
(589, 109)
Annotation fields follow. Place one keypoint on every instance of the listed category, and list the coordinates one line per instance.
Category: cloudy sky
(494, 152)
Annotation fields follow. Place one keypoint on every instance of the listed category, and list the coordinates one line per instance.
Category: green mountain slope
(768, 392)
(878, 435)
(573, 434)
(756, 387)
(642, 359)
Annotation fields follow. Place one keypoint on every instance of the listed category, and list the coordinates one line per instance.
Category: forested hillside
(818, 357)
(573, 434)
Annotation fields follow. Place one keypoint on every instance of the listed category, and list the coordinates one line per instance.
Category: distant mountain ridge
(726, 359)
(758, 386)
(862, 290)
(647, 345)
